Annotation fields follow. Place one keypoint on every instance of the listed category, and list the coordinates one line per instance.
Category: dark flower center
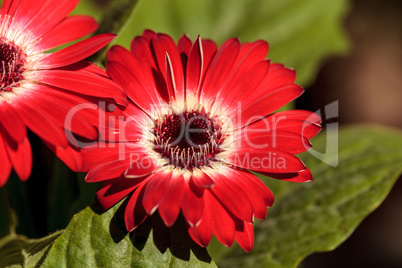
(189, 139)
(12, 61)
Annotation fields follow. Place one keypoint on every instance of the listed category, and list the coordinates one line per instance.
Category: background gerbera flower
(38, 90)
(198, 120)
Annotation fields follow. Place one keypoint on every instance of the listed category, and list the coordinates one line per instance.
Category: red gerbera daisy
(198, 120)
(38, 90)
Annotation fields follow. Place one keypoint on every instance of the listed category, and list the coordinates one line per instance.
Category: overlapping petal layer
(52, 94)
(203, 118)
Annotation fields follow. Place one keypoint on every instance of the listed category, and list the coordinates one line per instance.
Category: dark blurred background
(368, 84)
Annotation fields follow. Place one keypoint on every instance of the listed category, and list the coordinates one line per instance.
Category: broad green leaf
(300, 32)
(94, 240)
(319, 215)
(19, 251)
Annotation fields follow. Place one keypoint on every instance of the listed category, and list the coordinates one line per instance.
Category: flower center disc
(12, 61)
(189, 139)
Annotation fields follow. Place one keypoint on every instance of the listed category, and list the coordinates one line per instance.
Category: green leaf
(300, 32)
(319, 215)
(94, 240)
(18, 251)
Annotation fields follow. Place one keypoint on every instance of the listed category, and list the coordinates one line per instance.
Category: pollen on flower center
(12, 62)
(188, 139)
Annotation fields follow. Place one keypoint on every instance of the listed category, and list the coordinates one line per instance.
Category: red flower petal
(238, 86)
(278, 76)
(220, 67)
(141, 50)
(76, 52)
(302, 115)
(302, 176)
(249, 62)
(164, 45)
(307, 129)
(231, 196)
(100, 153)
(297, 121)
(209, 49)
(135, 214)
(250, 54)
(195, 67)
(148, 35)
(273, 161)
(71, 28)
(257, 185)
(169, 206)
(154, 190)
(184, 45)
(9, 7)
(276, 139)
(114, 161)
(300, 127)
(21, 158)
(202, 180)
(192, 204)
(223, 226)
(245, 237)
(85, 66)
(266, 103)
(5, 169)
(44, 19)
(23, 11)
(39, 122)
(121, 61)
(259, 194)
(112, 191)
(124, 77)
(170, 80)
(62, 113)
(122, 130)
(108, 170)
(141, 164)
(202, 233)
(11, 122)
(84, 83)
